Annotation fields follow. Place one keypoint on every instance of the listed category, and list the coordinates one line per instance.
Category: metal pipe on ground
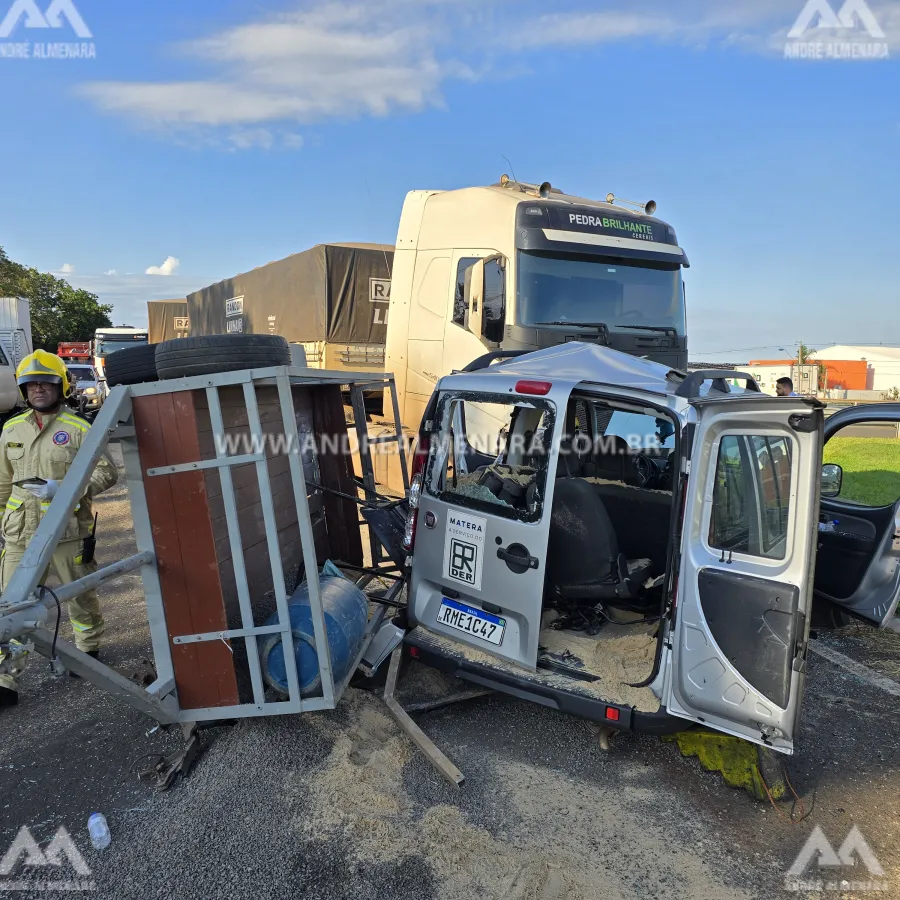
(21, 617)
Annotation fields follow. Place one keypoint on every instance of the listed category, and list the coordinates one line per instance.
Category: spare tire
(133, 365)
(183, 357)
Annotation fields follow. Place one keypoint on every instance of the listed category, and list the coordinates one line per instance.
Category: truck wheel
(133, 365)
(183, 357)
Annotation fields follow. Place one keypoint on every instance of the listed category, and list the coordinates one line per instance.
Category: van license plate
(475, 622)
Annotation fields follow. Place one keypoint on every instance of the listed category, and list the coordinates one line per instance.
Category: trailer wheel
(183, 357)
(133, 365)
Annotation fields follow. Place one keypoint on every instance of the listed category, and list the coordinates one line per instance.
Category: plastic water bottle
(99, 831)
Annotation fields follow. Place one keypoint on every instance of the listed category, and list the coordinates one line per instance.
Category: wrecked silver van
(637, 546)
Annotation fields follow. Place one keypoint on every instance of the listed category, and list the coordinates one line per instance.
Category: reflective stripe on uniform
(15, 419)
(73, 421)
(14, 503)
(80, 626)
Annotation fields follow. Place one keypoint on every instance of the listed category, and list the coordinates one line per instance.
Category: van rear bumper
(520, 684)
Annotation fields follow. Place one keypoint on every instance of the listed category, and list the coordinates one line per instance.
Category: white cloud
(246, 138)
(129, 294)
(111, 273)
(169, 267)
(605, 26)
(347, 58)
(336, 59)
(749, 25)
(66, 269)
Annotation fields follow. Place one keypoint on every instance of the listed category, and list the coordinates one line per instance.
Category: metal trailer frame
(26, 610)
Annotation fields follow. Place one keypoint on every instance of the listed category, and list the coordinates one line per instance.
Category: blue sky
(227, 134)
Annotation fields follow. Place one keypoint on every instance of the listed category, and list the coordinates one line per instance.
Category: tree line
(59, 312)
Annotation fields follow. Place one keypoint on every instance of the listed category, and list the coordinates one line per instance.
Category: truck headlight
(90, 390)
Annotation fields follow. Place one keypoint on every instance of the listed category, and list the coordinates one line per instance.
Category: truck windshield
(591, 289)
(104, 347)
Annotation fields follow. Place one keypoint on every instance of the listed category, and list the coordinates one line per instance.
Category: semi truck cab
(515, 266)
(109, 340)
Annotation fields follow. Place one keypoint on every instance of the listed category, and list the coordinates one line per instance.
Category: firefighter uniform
(44, 448)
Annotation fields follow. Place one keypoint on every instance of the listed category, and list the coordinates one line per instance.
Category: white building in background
(883, 363)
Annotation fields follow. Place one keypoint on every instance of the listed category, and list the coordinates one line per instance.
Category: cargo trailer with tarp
(333, 299)
(167, 320)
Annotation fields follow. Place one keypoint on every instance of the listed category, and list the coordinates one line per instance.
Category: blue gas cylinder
(346, 613)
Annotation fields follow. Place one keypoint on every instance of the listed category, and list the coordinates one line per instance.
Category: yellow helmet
(43, 366)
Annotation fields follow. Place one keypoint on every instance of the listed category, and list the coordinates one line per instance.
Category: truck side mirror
(832, 479)
(474, 294)
(493, 320)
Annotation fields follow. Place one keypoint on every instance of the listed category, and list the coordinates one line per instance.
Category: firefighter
(36, 449)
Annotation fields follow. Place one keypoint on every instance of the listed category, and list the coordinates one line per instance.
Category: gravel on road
(328, 806)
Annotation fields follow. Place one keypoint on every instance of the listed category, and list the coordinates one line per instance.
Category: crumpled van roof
(576, 361)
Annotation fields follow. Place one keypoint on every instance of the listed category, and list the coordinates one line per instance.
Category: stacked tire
(133, 365)
(214, 353)
(184, 357)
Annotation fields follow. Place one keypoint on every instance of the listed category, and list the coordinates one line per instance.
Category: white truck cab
(514, 266)
(109, 340)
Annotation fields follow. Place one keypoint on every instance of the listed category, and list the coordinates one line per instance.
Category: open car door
(858, 564)
(741, 619)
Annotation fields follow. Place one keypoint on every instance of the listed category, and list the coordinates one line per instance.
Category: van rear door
(739, 640)
(483, 519)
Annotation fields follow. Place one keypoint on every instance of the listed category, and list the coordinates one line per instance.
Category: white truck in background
(514, 266)
(15, 345)
(108, 340)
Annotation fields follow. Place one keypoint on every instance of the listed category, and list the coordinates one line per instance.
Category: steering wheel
(646, 470)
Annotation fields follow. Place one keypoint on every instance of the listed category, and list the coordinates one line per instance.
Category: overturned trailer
(333, 299)
(237, 496)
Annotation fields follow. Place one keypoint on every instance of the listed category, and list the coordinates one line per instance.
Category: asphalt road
(340, 805)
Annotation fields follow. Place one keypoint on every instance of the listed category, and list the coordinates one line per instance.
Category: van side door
(741, 617)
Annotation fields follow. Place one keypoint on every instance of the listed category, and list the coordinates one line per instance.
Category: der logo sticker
(464, 549)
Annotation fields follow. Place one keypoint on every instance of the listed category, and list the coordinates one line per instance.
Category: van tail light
(409, 532)
(420, 457)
